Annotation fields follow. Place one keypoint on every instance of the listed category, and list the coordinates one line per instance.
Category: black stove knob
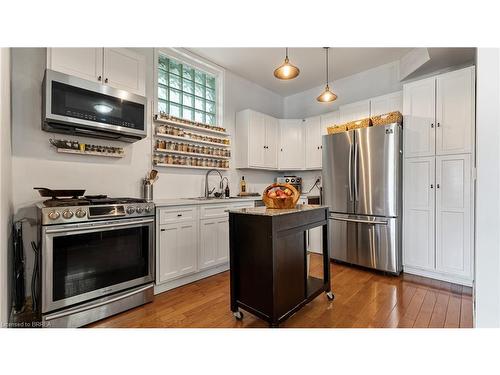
(139, 210)
(149, 208)
(130, 210)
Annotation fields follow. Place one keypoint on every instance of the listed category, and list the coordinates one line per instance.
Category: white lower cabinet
(438, 217)
(192, 242)
(214, 242)
(177, 250)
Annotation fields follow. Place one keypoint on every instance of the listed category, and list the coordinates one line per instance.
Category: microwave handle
(110, 225)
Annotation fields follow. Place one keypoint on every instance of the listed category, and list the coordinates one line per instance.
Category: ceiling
(257, 64)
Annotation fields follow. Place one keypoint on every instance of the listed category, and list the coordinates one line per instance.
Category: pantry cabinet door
(419, 118)
(454, 215)
(291, 150)
(125, 69)
(329, 119)
(386, 103)
(272, 139)
(313, 142)
(419, 215)
(354, 111)
(86, 63)
(256, 139)
(455, 112)
(177, 252)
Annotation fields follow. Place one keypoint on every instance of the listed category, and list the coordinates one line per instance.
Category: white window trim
(197, 62)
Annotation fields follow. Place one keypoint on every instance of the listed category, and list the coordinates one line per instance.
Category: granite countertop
(264, 211)
(198, 201)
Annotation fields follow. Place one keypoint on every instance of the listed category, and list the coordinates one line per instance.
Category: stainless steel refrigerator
(362, 172)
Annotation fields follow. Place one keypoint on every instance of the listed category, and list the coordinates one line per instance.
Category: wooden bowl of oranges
(280, 196)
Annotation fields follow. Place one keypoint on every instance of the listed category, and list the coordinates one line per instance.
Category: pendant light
(286, 70)
(327, 95)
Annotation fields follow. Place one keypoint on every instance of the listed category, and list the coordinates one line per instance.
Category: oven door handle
(103, 226)
(94, 305)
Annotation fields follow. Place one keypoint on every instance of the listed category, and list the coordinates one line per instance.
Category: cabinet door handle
(438, 124)
(281, 149)
(437, 185)
(106, 80)
(432, 186)
(99, 78)
(179, 215)
(162, 230)
(432, 125)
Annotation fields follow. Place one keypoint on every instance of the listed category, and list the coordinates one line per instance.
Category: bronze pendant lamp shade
(327, 95)
(286, 70)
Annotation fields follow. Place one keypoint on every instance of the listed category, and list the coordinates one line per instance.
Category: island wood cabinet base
(268, 267)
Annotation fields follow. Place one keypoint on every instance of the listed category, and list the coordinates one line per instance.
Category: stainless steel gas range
(97, 258)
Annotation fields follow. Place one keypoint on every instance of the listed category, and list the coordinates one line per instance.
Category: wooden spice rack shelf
(191, 154)
(158, 119)
(94, 153)
(189, 140)
(188, 166)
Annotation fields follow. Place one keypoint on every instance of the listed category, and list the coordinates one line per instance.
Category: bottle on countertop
(226, 191)
(243, 185)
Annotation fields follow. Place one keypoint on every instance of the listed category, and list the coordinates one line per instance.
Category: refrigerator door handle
(350, 171)
(356, 190)
(361, 221)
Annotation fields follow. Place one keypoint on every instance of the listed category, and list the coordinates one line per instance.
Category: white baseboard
(437, 275)
(160, 288)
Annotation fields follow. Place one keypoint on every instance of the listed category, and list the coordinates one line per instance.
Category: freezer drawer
(366, 241)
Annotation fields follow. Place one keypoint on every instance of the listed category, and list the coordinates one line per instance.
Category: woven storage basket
(388, 118)
(336, 129)
(358, 124)
(288, 202)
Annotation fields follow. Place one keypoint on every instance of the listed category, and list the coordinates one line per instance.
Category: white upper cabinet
(386, 103)
(354, 111)
(455, 112)
(117, 67)
(454, 215)
(85, 63)
(312, 126)
(419, 120)
(419, 206)
(257, 140)
(125, 70)
(329, 119)
(291, 149)
(439, 114)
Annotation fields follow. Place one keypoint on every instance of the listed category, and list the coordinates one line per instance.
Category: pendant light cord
(286, 52)
(326, 48)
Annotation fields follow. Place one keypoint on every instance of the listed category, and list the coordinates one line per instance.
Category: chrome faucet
(207, 191)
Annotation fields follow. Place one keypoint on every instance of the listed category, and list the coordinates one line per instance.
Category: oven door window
(90, 261)
(88, 105)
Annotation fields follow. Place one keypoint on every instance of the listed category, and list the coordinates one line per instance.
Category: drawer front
(213, 211)
(243, 205)
(178, 214)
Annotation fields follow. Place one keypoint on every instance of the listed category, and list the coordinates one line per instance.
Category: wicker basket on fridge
(287, 201)
(358, 124)
(388, 118)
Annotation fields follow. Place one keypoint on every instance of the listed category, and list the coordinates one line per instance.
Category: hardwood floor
(363, 299)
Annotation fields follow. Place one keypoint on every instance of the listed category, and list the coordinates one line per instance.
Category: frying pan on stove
(45, 192)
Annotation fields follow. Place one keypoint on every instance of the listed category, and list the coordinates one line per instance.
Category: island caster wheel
(330, 296)
(238, 315)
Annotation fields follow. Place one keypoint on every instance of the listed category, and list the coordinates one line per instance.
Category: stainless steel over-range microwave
(72, 105)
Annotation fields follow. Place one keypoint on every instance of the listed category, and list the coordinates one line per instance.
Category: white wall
(487, 283)
(5, 185)
(381, 80)
(35, 162)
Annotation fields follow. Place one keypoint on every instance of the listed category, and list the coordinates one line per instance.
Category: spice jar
(181, 133)
(175, 131)
(188, 161)
(180, 147)
(185, 147)
(161, 129)
(170, 159)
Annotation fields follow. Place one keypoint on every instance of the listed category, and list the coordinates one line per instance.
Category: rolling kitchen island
(268, 260)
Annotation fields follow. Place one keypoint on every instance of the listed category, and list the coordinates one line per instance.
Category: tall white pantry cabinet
(438, 211)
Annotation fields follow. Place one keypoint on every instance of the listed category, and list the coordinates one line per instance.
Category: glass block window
(186, 92)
